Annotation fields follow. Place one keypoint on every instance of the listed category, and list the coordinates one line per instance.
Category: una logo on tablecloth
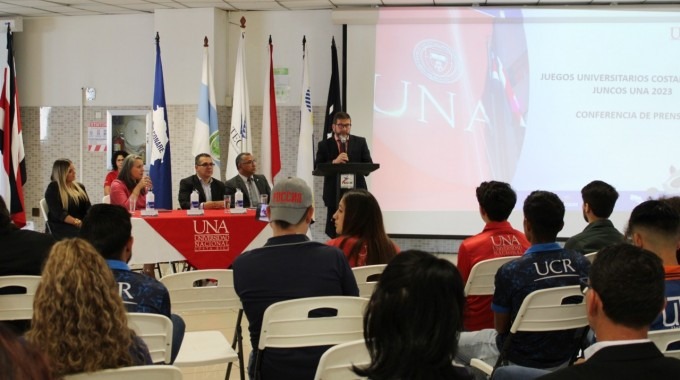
(211, 235)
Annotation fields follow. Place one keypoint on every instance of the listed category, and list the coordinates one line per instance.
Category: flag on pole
(206, 132)
(13, 170)
(334, 103)
(305, 158)
(159, 170)
(239, 134)
(271, 156)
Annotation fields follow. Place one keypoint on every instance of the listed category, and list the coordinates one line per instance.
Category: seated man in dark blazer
(210, 190)
(248, 182)
(624, 295)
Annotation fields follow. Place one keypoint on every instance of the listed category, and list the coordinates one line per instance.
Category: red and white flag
(13, 168)
(271, 155)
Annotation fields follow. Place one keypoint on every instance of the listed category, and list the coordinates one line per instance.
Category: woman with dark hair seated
(66, 199)
(79, 320)
(413, 320)
(117, 159)
(359, 224)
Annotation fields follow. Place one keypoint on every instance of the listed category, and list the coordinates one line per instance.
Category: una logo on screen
(437, 61)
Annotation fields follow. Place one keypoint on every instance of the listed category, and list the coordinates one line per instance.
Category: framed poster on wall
(128, 130)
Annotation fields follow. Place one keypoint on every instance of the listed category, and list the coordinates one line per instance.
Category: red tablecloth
(209, 241)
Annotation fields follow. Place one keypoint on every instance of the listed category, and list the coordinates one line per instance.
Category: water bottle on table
(194, 205)
(238, 202)
(150, 200)
(194, 200)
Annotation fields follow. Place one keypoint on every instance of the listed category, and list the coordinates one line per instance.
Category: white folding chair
(482, 276)
(106, 199)
(44, 210)
(18, 306)
(146, 372)
(337, 362)
(591, 256)
(664, 338)
(206, 347)
(156, 331)
(366, 277)
(542, 311)
(287, 324)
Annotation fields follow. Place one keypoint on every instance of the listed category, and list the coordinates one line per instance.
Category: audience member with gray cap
(289, 266)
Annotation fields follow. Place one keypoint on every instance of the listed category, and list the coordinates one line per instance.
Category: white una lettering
(425, 93)
(478, 116)
(673, 303)
(504, 240)
(555, 267)
(210, 227)
(444, 107)
(404, 101)
(124, 290)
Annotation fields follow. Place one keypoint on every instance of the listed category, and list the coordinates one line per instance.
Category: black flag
(333, 104)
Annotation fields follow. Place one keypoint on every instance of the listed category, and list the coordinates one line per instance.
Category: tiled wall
(62, 141)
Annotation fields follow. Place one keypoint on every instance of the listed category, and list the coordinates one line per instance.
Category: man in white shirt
(210, 190)
(624, 295)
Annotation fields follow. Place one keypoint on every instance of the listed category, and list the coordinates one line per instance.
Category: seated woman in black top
(66, 199)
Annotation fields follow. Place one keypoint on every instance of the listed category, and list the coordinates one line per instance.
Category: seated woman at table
(413, 320)
(359, 224)
(131, 184)
(117, 159)
(66, 199)
(79, 320)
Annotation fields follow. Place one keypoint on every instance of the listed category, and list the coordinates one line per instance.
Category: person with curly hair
(79, 320)
(413, 320)
(360, 229)
(66, 199)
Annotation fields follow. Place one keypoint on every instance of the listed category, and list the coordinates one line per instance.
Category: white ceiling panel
(357, 2)
(408, 2)
(256, 5)
(306, 4)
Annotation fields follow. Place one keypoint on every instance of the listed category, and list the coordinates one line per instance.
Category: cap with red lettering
(291, 197)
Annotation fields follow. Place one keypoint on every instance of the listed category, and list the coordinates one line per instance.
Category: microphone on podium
(343, 144)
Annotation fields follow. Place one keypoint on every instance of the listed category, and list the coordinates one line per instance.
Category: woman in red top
(361, 232)
(116, 163)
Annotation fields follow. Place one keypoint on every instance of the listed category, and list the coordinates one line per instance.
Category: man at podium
(341, 148)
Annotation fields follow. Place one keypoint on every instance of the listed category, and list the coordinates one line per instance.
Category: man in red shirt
(498, 239)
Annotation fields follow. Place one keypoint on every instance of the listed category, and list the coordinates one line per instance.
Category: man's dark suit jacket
(191, 183)
(625, 362)
(237, 183)
(357, 151)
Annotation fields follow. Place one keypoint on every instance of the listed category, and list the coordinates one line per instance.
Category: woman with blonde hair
(131, 184)
(79, 320)
(361, 232)
(66, 199)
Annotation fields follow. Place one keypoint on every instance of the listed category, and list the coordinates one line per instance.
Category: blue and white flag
(305, 158)
(240, 138)
(159, 170)
(206, 133)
